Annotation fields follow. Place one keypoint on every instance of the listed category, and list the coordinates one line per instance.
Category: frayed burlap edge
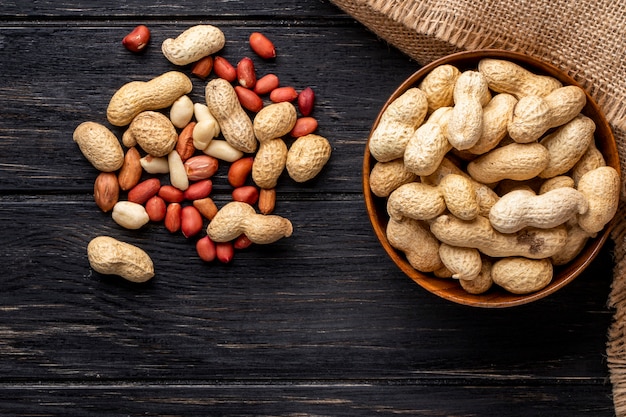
(428, 30)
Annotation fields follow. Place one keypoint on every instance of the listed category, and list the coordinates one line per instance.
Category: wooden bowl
(450, 289)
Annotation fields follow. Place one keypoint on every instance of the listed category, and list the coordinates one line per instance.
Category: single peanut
(100, 146)
(262, 46)
(465, 125)
(110, 256)
(156, 208)
(247, 194)
(306, 101)
(106, 191)
(224, 69)
(234, 123)
(181, 111)
(418, 244)
(237, 218)
(193, 44)
(307, 156)
(200, 167)
(282, 94)
(522, 276)
(137, 39)
(171, 194)
(178, 173)
(242, 242)
(438, 86)
(206, 206)
(190, 221)
(267, 200)
(153, 132)
(303, 126)
(198, 190)
(397, 124)
(203, 67)
(130, 215)
(246, 73)
(266, 84)
(269, 163)
(205, 249)
(249, 99)
(141, 192)
(239, 171)
(130, 173)
(153, 165)
(184, 144)
(221, 149)
(274, 121)
(224, 252)
(387, 176)
(173, 215)
(138, 96)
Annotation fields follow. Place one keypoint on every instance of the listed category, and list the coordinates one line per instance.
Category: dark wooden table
(321, 323)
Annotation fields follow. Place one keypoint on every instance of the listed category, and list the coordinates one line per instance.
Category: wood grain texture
(321, 323)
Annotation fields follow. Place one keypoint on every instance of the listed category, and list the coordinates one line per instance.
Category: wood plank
(184, 9)
(358, 398)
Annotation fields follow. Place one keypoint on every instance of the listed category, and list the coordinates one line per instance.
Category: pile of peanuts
(491, 175)
(178, 145)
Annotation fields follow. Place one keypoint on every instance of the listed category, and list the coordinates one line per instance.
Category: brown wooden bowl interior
(448, 288)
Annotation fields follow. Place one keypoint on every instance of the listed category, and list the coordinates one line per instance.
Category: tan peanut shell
(429, 144)
(100, 146)
(516, 161)
(482, 283)
(307, 156)
(576, 240)
(137, 96)
(464, 263)
(533, 243)
(417, 201)
(504, 76)
(601, 188)
(415, 240)
(521, 275)
(496, 117)
(460, 196)
(591, 159)
(522, 208)
(153, 132)
(269, 163)
(110, 256)
(234, 122)
(465, 125)
(237, 218)
(553, 183)
(566, 145)
(193, 44)
(534, 115)
(397, 124)
(438, 85)
(274, 121)
(387, 176)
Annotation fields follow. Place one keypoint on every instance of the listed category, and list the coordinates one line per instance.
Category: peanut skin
(110, 256)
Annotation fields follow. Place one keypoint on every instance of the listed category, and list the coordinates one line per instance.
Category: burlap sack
(584, 38)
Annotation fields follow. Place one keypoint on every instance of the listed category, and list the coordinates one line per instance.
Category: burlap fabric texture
(584, 38)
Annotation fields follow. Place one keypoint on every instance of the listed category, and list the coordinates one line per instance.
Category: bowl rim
(500, 298)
